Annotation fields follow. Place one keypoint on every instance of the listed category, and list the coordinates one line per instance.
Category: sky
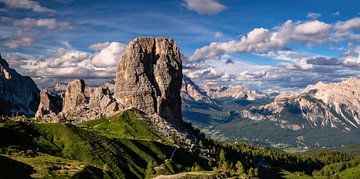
(278, 45)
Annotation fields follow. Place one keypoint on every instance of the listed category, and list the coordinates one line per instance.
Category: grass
(350, 173)
(294, 175)
(124, 125)
(118, 147)
(47, 166)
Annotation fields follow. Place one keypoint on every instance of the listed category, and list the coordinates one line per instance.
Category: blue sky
(35, 35)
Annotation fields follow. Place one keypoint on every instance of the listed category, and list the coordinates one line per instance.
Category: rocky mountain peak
(19, 94)
(333, 105)
(191, 91)
(4, 69)
(74, 95)
(237, 92)
(50, 104)
(149, 77)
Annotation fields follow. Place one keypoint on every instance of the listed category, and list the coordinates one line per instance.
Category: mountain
(321, 115)
(236, 92)
(334, 105)
(19, 94)
(192, 92)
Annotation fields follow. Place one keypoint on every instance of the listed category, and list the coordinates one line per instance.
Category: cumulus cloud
(313, 15)
(261, 40)
(352, 57)
(108, 55)
(297, 73)
(204, 74)
(312, 28)
(67, 64)
(26, 4)
(351, 24)
(204, 7)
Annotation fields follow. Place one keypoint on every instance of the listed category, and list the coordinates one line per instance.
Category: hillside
(120, 146)
(124, 146)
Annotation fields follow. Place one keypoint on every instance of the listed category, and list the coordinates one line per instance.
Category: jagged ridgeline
(129, 128)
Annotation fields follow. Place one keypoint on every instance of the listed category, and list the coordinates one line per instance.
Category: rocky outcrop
(60, 87)
(50, 104)
(149, 77)
(74, 97)
(19, 94)
(102, 102)
(333, 105)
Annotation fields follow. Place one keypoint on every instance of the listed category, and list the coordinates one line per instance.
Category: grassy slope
(105, 146)
(350, 173)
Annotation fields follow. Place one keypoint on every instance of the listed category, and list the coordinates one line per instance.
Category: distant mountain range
(300, 120)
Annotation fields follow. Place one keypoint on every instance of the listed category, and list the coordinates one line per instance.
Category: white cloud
(99, 46)
(348, 30)
(19, 39)
(218, 35)
(69, 64)
(261, 40)
(313, 15)
(47, 22)
(208, 73)
(351, 24)
(26, 4)
(109, 54)
(204, 7)
(65, 64)
(287, 55)
(352, 57)
(312, 28)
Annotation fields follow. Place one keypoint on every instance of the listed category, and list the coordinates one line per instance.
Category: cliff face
(50, 104)
(18, 94)
(149, 77)
(74, 96)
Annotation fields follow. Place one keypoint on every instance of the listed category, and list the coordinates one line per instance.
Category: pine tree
(256, 172)
(239, 168)
(222, 156)
(251, 171)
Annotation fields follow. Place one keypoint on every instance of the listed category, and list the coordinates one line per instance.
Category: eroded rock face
(50, 104)
(149, 77)
(74, 97)
(102, 102)
(18, 94)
